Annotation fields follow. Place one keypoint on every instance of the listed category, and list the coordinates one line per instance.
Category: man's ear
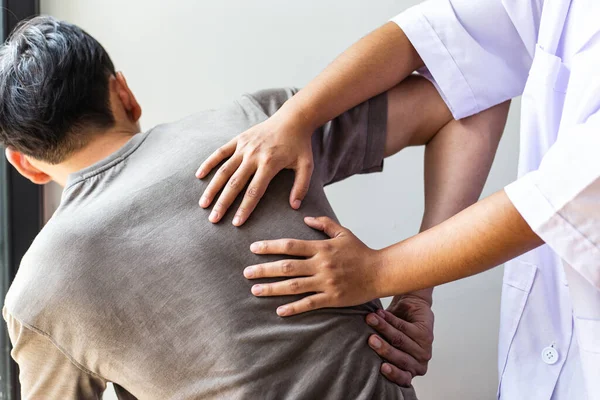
(128, 99)
(22, 164)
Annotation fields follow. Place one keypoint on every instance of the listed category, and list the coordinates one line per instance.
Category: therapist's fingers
(279, 269)
(301, 183)
(285, 288)
(290, 247)
(396, 336)
(396, 375)
(219, 180)
(215, 158)
(309, 303)
(234, 186)
(399, 359)
(255, 192)
(327, 225)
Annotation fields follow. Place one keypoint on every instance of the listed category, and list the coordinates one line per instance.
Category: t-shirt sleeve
(44, 371)
(477, 53)
(353, 143)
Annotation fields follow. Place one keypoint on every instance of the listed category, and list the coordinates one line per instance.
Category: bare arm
(373, 65)
(457, 162)
(481, 237)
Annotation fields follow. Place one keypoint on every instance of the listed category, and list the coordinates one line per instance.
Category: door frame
(22, 212)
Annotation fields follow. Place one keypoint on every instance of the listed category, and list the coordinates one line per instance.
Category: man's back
(130, 283)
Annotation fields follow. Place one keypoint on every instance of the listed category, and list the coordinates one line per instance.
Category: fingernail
(249, 272)
(254, 247)
(296, 204)
(214, 216)
(237, 221)
(381, 313)
(309, 218)
(256, 290)
(204, 201)
(375, 342)
(372, 320)
(282, 311)
(386, 369)
(199, 173)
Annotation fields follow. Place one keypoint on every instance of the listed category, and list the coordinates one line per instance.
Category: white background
(184, 56)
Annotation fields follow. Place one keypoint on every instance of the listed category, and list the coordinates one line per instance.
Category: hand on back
(256, 156)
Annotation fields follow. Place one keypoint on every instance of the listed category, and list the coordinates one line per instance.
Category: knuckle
(253, 192)
(220, 205)
(234, 182)
(224, 169)
(221, 152)
(400, 324)
(259, 271)
(397, 340)
(268, 290)
(328, 265)
(308, 164)
(338, 295)
(327, 247)
(268, 159)
(427, 356)
(254, 150)
(287, 268)
(288, 245)
(309, 303)
(294, 286)
(403, 365)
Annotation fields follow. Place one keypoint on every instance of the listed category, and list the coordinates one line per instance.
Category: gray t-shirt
(130, 283)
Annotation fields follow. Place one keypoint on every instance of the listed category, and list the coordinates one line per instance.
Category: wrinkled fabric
(479, 54)
(130, 283)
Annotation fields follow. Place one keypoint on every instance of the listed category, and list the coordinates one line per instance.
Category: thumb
(301, 184)
(325, 224)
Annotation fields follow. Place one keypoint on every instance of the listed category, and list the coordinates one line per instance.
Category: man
(545, 225)
(129, 283)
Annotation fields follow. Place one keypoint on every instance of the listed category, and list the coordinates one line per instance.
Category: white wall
(184, 56)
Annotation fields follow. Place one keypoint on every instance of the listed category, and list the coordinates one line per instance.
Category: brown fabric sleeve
(45, 372)
(353, 143)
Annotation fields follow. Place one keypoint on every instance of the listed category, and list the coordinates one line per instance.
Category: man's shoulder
(44, 271)
(268, 101)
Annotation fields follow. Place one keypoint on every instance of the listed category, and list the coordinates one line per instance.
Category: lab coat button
(550, 355)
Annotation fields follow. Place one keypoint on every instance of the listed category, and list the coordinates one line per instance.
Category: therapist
(478, 54)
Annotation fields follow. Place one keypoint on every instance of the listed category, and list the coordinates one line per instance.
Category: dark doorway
(20, 212)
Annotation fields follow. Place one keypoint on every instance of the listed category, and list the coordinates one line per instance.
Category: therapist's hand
(257, 155)
(339, 272)
(405, 338)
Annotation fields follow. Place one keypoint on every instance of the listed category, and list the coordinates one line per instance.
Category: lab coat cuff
(557, 232)
(440, 66)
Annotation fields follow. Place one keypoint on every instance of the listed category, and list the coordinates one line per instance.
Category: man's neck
(100, 147)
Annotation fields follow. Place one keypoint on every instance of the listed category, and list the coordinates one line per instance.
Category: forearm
(457, 162)
(415, 114)
(481, 237)
(373, 65)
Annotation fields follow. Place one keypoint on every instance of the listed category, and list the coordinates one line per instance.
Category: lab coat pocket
(518, 280)
(588, 338)
(542, 102)
(588, 335)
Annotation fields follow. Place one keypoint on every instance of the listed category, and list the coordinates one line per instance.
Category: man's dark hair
(54, 88)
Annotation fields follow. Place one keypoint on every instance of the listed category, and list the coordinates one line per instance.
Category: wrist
(297, 117)
(383, 286)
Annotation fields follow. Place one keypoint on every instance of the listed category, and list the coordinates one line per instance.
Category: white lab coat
(480, 53)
